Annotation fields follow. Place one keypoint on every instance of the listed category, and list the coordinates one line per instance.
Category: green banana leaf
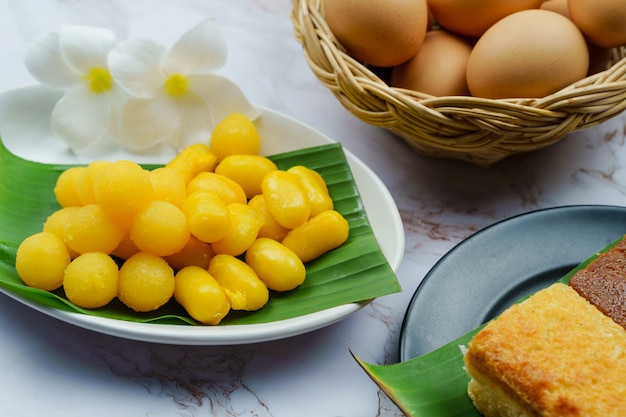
(435, 384)
(355, 272)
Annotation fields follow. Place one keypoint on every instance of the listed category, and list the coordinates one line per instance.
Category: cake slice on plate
(552, 355)
(603, 283)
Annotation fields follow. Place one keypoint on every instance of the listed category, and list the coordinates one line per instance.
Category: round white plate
(280, 134)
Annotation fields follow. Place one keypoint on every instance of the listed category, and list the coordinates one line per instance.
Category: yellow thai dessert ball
(195, 252)
(126, 248)
(90, 280)
(66, 187)
(193, 160)
(243, 287)
(275, 264)
(84, 184)
(286, 199)
(243, 229)
(235, 134)
(90, 229)
(270, 227)
(58, 221)
(246, 170)
(320, 234)
(228, 190)
(314, 188)
(41, 260)
(122, 188)
(207, 215)
(201, 295)
(146, 282)
(160, 228)
(168, 185)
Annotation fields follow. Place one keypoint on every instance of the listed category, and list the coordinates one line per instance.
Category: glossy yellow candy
(41, 260)
(195, 253)
(320, 234)
(235, 134)
(85, 183)
(122, 188)
(207, 215)
(126, 248)
(243, 287)
(276, 265)
(200, 295)
(243, 230)
(314, 187)
(91, 229)
(225, 188)
(246, 170)
(146, 282)
(193, 160)
(168, 185)
(285, 198)
(160, 228)
(90, 280)
(270, 227)
(66, 187)
(58, 221)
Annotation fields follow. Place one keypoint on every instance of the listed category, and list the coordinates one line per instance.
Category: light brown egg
(531, 53)
(602, 21)
(598, 56)
(557, 6)
(438, 68)
(382, 33)
(474, 17)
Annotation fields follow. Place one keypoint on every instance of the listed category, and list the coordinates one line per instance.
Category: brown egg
(598, 56)
(438, 68)
(474, 17)
(382, 33)
(602, 21)
(557, 6)
(531, 53)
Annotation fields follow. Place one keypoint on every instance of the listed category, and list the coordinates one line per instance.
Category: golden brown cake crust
(603, 283)
(556, 355)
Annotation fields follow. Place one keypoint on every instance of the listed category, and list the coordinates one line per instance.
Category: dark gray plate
(490, 270)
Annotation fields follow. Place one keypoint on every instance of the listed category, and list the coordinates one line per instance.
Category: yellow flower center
(99, 80)
(176, 85)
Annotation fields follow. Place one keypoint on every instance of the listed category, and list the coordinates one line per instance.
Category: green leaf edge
(350, 205)
(435, 384)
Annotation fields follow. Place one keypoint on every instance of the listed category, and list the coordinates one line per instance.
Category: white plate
(280, 134)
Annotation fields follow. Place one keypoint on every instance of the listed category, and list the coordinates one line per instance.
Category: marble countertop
(51, 368)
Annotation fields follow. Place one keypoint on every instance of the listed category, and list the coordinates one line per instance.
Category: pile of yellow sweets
(217, 228)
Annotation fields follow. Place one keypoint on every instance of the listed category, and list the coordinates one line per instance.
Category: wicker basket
(481, 131)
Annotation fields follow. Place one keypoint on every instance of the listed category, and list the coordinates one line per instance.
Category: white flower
(75, 60)
(175, 96)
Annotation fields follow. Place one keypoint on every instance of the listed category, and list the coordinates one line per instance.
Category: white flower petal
(145, 123)
(202, 49)
(25, 123)
(136, 65)
(45, 62)
(80, 118)
(196, 123)
(106, 144)
(222, 95)
(85, 47)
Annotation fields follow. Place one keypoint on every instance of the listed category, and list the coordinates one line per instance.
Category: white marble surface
(54, 369)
